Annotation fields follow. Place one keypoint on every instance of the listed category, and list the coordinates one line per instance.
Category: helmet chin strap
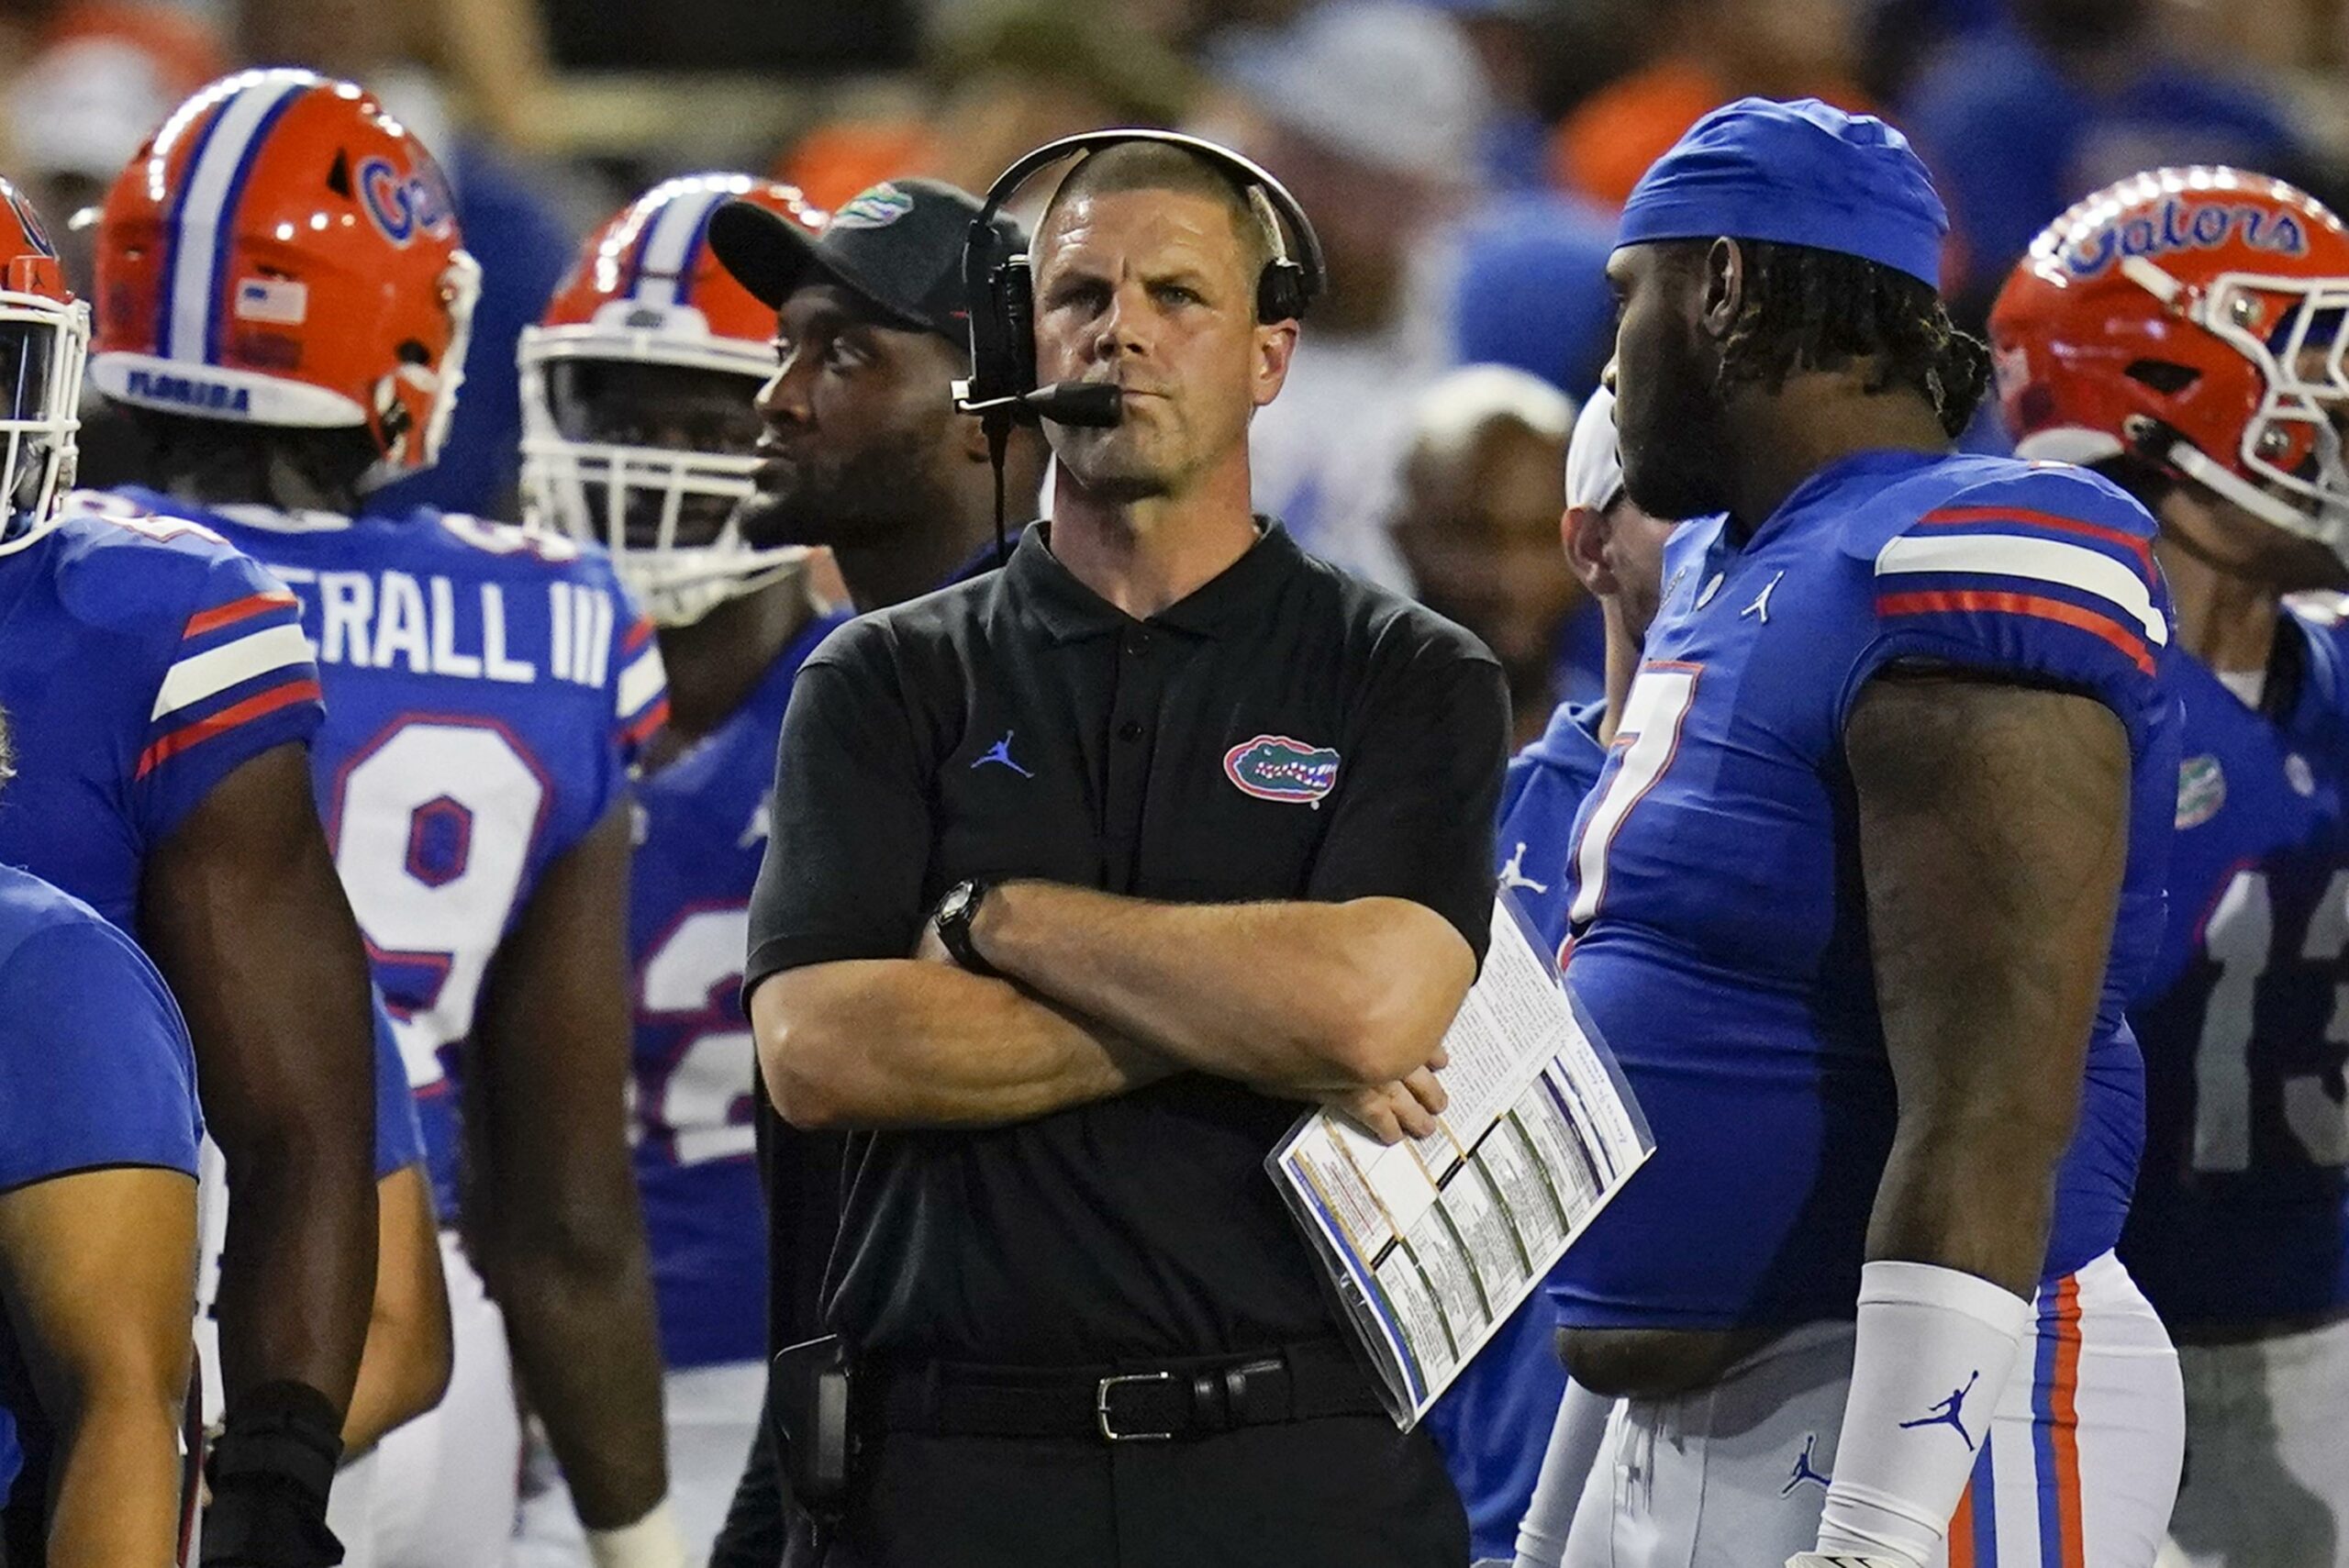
(2230, 487)
(685, 594)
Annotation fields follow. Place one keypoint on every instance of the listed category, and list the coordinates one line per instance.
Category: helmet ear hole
(2163, 376)
(339, 174)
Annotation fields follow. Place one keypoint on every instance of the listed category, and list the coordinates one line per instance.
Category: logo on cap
(876, 208)
(1274, 767)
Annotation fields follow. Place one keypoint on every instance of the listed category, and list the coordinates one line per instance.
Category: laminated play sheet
(1432, 1242)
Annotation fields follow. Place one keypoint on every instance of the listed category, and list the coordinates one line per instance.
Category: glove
(269, 1474)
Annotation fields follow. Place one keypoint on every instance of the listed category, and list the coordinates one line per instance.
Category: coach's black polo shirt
(1286, 732)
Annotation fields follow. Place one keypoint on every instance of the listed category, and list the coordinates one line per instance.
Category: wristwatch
(954, 914)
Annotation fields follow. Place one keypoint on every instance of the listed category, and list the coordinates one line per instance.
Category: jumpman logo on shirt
(1001, 752)
(1759, 607)
(1513, 874)
(1804, 1470)
(1950, 1412)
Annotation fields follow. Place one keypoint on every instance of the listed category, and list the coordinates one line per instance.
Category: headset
(999, 289)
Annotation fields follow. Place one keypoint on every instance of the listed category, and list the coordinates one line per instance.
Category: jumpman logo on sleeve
(1950, 1412)
(1001, 752)
(1805, 1470)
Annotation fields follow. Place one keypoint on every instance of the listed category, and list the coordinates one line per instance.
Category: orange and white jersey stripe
(2081, 1465)
(2005, 562)
(641, 695)
(238, 663)
(2076, 1467)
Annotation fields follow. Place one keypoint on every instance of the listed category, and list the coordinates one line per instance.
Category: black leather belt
(1168, 1401)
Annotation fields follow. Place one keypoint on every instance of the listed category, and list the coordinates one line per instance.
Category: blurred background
(1462, 158)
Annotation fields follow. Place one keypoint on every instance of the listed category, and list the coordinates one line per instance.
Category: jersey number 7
(1646, 741)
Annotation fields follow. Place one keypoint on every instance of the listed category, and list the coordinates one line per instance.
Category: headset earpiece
(1283, 290)
(1280, 293)
(1012, 291)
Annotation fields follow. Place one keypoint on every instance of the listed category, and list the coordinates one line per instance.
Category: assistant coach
(1085, 875)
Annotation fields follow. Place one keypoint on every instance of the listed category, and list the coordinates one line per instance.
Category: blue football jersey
(486, 689)
(2242, 1211)
(95, 1068)
(1493, 1423)
(1546, 786)
(1719, 942)
(143, 659)
(701, 834)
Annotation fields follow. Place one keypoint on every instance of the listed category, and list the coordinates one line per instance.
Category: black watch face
(958, 900)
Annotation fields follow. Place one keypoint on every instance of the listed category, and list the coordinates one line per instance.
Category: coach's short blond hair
(1161, 166)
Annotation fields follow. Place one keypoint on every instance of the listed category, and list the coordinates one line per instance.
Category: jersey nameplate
(431, 624)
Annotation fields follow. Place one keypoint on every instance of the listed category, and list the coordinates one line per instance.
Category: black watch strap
(955, 913)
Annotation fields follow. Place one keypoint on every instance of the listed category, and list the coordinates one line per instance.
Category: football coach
(1085, 877)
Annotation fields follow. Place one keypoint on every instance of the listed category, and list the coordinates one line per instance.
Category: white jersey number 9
(432, 826)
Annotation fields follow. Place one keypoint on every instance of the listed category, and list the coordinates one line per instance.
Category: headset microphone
(1089, 405)
(1093, 404)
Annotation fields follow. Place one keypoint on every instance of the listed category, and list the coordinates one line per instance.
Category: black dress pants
(1343, 1492)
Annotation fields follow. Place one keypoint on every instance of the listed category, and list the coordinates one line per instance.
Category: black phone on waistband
(814, 1409)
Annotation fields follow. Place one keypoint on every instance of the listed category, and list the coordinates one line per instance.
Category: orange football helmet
(44, 337)
(284, 252)
(2193, 318)
(647, 291)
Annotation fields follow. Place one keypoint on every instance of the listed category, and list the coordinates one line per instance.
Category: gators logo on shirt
(2201, 791)
(1274, 767)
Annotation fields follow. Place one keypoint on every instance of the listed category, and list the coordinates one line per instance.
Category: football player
(1875, 862)
(2180, 331)
(1512, 1407)
(288, 304)
(163, 700)
(640, 434)
(98, 1131)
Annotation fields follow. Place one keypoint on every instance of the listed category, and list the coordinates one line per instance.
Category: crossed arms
(1346, 1001)
(1341, 994)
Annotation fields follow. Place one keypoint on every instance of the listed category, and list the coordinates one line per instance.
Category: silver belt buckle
(1101, 1408)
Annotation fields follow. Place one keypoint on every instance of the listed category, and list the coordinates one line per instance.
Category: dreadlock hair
(1807, 309)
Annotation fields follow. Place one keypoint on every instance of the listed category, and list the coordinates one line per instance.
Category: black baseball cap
(897, 246)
